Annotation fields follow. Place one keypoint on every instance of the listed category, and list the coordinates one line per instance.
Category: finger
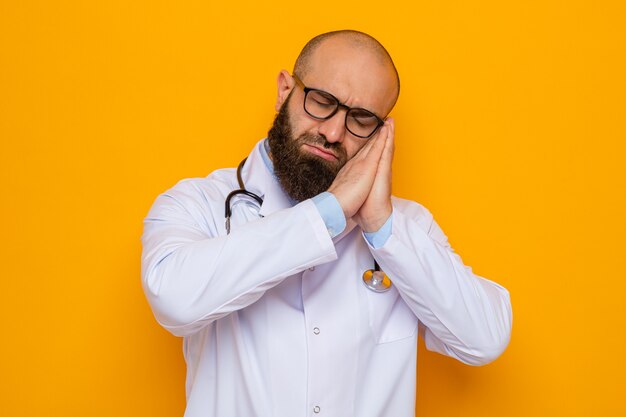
(362, 153)
(391, 123)
(387, 155)
(378, 144)
(383, 171)
(366, 149)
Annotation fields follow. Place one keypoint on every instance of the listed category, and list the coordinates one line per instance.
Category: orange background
(510, 129)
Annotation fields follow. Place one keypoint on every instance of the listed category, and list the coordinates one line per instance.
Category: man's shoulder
(218, 182)
(196, 199)
(200, 194)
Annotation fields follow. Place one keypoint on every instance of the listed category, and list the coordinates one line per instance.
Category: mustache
(312, 139)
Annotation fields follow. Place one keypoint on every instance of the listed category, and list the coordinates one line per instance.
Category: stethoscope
(241, 190)
(374, 279)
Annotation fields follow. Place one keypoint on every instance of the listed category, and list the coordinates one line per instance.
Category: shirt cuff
(331, 212)
(379, 237)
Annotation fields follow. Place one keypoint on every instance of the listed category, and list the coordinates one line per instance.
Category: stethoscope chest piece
(376, 280)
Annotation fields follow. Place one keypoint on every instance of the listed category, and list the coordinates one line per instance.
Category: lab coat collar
(260, 180)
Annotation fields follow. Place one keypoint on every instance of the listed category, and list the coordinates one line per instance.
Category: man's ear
(285, 84)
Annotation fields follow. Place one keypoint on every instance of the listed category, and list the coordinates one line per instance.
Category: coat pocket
(390, 318)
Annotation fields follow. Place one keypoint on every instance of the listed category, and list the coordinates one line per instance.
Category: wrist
(373, 224)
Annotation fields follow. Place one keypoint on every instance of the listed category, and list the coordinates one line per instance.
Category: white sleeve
(192, 277)
(461, 314)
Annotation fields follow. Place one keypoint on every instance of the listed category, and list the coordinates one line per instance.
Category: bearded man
(307, 295)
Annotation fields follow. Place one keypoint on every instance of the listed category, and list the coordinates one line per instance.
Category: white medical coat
(275, 317)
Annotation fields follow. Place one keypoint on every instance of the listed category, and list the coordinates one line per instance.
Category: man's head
(309, 151)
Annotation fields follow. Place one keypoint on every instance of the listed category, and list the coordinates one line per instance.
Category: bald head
(360, 41)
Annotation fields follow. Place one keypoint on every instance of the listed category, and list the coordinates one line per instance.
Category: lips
(321, 152)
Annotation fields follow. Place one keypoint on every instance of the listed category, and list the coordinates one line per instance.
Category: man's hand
(363, 185)
(377, 208)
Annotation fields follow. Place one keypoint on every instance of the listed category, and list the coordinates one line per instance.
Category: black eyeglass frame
(306, 89)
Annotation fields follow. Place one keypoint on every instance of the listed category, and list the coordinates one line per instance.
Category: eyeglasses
(322, 105)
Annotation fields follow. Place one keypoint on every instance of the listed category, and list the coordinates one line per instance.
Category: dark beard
(301, 175)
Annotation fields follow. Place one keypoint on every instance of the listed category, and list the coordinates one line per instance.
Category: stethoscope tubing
(242, 190)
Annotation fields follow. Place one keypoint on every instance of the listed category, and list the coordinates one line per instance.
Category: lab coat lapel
(258, 179)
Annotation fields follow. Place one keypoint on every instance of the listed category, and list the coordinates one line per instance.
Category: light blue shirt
(332, 213)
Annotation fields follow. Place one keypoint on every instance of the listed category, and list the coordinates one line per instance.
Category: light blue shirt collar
(265, 154)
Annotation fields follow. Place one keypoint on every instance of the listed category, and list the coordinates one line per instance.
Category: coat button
(312, 269)
(316, 409)
(316, 330)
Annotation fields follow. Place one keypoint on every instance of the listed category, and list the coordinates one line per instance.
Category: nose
(334, 128)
